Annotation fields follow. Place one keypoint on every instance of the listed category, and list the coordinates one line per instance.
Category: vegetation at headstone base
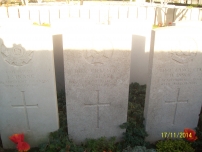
(138, 149)
(101, 145)
(43, 24)
(198, 143)
(135, 132)
(178, 145)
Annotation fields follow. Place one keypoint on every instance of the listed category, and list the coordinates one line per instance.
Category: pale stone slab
(169, 16)
(188, 23)
(44, 14)
(28, 102)
(84, 12)
(3, 13)
(34, 14)
(96, 80)
(123, 12)
(104, 15)
(200, 14)
(194, 14)
(13, 12)
(113, 12)
(151, 13)
(132, 12)
(160, 15)
(54, 14)
(64, 12)
(142, 12)
(141, 33)
(95, 13)
(173, 96)
(74, 12)
(24, 13)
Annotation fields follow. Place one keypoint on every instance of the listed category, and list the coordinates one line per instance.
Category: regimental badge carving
(16, 55)
(184, 50)
(100, 52)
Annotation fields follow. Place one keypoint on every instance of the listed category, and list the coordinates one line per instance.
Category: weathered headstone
(44, 14)
(142, 12)
(97, 68)
(74, 11)
(132, 12)
(95, 13)
(123, 12)
(85, 12)
(54, 13)
(3, 13)
(34, 14)
(151, 13)
(27, 85)
(173, 97)
(188, 23)
(24, 13)
(64, 12)
(104, 15)
(13, 12)
(194, 14)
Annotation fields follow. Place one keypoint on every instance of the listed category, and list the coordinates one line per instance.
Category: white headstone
(64, 12)
(194, 14)
(151, 13)
(188, 23)
(3, 13)
(173, 96)
(74, 12)
(28, 102)
(113, 12)
(200, 14)
(84, 12)
(96, 80)
(44, 14)
(13, 12)
(169, 16)
(132, 12)
(142, 12)
(94, 14)
(160, 15)
(123, 12)
(24, 12)
(34, 14)
(104, 15)
(54, 13)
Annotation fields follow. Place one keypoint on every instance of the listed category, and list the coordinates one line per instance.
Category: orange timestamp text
(176, 135)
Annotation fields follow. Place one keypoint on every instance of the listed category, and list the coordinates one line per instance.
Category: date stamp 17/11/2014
(176, 135)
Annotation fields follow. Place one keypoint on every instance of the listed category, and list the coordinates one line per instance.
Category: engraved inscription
(92, 77)
(97, 105)
(184, 50)
(16, 55)
(25, 106)
(100, 52)
(180, 76)
(23, 78)
(176, 104)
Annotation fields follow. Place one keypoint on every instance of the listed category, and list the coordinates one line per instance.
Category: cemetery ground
(133, 139)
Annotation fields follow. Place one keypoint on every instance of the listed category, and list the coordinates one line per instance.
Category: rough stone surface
(188, 23)
(173, 97)
(27, 85)
(97, 67)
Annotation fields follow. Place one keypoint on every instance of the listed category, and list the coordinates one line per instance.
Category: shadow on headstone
(58, 61)
(139, 60)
